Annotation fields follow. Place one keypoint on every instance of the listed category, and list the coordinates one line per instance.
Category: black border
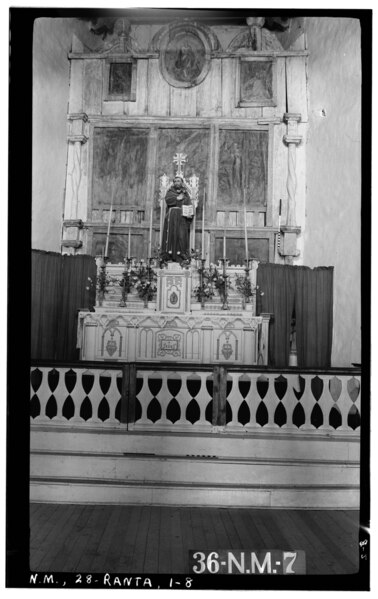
(19, 299)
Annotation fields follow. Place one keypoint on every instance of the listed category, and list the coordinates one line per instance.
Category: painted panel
(243, 165)
(256, 81)
(119, 166)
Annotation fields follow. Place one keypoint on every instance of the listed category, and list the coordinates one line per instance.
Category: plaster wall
(51, 43)
(332, 234)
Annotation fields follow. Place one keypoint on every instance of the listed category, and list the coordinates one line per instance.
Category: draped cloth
(175, 241)
(61, 286)
(277, 283)
(314, 315)
(307, 295)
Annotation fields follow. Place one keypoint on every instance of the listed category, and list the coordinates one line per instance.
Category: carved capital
(292, 139)
(266, 315)
(288, 229)
(82, 139)
(77, 223)
(77, 116)
(77, 127)
(292, 117)
(71, 243)
(288, 242)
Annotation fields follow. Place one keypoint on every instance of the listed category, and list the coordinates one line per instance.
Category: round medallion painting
(184, 56)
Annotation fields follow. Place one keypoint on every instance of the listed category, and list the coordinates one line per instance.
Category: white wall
(51, 44)
(333, 202)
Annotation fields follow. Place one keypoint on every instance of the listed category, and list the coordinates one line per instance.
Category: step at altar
(186, 469)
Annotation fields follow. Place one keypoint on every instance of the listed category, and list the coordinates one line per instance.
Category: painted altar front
(175, 327)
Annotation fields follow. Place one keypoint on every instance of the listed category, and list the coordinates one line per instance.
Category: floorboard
(152, 552)
(130, 539)
(146, 539)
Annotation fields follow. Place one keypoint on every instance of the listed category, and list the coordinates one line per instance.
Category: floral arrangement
(211, 278)
(144, 280)
(104, 280)
(204, 291)
(220, 282)
(244, 286)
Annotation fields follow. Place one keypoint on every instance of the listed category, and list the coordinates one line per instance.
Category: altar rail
(205, 399)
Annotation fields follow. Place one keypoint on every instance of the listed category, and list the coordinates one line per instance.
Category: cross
(179, 159)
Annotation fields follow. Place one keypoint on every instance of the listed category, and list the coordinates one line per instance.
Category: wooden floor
(150, 539)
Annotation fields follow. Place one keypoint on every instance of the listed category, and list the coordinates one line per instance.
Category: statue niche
(178, 203)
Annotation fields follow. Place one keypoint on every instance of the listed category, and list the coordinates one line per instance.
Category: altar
(174, 327)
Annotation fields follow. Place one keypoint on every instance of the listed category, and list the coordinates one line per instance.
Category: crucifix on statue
(178, 203)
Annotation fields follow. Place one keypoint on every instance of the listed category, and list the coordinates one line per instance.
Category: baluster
(253, 400)
(203, 398)
(164, 397)
(271, 401)
(235, 399)
(61, 393)
(43, 393)
(357, 403)
(96, 396)
(308, 402)
(326, 404)
(77, 395)
(113, 395)
(290, 401)
(144, 397)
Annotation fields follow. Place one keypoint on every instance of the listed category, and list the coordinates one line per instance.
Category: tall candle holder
(225, 277)
(202, 260)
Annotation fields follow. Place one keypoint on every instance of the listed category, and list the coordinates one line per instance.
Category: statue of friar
(179, 213)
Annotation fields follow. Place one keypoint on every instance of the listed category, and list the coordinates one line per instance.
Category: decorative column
(290, 231)
(72, 224)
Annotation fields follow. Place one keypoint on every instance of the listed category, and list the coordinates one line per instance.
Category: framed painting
(256, 82)
(184, 56)
(120, 80)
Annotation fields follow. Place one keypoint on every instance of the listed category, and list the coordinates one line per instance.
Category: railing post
(128, 395)
(219, 395)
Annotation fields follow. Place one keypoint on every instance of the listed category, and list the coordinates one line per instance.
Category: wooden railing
(202, 399)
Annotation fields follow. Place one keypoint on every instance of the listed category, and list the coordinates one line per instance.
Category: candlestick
(150, 236)
(245, 234)
(108, 233)
(203, 226)
(129, 244)
(224, 237)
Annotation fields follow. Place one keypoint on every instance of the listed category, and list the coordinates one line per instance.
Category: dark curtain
(314, 316)
(277, 284)
(307, 293)
(74, 296)
(45, 303)
(60, 287)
